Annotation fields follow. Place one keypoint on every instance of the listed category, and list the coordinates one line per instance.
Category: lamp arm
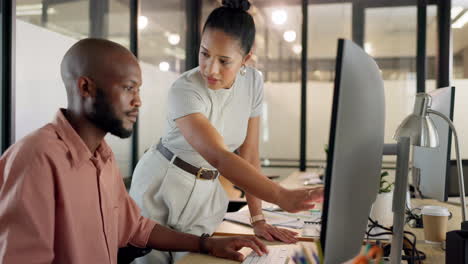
(461, 180)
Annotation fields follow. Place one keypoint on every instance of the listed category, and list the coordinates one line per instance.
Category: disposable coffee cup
(435, 220)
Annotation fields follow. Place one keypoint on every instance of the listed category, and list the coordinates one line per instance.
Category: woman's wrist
(258, 223)
(257, 218)
(280, 195)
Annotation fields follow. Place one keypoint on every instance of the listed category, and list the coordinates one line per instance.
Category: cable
(415, 254)
(414, 219)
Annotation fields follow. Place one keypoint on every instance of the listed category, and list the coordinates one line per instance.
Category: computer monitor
(452, 179)
(433, 162)
(354, 152)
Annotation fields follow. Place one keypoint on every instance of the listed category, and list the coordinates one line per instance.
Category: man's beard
(105, 118)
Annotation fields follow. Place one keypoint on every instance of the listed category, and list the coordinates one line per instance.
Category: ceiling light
(173, 39)
(456, 11)
(33, 10)
(461, 21)
(142, 22)
(297, 49)
(279, 16)
(289, 35)
(164, 66)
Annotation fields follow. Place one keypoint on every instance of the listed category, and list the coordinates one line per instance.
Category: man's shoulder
(45, 139)
(39, 143)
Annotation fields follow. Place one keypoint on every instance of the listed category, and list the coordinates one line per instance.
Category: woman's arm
(206, 140)
(249, 151)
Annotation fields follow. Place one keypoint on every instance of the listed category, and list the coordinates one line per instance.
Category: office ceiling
(390, 32)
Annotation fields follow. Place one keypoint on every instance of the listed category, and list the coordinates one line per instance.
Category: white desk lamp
(418, 130)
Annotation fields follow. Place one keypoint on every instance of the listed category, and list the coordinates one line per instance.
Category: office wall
(39, 88)
(40, 92)
(460, 114)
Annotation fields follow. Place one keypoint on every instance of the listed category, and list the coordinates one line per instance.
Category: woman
(213, 110)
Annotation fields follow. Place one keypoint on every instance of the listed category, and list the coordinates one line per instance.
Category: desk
(434, 254)
(229, 228)
(293, 181)
(194, 258)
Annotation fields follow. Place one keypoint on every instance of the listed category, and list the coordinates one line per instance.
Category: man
(62, 199)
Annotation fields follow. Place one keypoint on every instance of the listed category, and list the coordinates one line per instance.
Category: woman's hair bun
(237, 4)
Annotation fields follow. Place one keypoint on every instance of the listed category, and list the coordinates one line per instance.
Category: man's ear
(86, 87)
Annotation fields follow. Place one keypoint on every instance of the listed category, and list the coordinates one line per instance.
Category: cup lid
(435, 210)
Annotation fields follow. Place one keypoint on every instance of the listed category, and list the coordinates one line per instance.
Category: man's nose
(137, 100)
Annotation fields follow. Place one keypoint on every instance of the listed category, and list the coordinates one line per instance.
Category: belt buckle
(200, 172)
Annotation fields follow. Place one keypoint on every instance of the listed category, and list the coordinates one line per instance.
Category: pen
(303, 260)
(319, 250)
(368, 246)
(296, 258)
(306, 254)
(316, 258)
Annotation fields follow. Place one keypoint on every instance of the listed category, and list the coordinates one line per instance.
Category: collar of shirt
(78, 150)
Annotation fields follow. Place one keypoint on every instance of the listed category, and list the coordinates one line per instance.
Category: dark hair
(232, 18)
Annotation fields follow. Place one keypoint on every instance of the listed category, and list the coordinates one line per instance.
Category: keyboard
(455, 200)
(276, 255)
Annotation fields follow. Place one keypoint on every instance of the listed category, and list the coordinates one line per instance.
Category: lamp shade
(421, 131)
(418, 126)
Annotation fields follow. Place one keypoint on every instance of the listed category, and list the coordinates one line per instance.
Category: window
(162, 59)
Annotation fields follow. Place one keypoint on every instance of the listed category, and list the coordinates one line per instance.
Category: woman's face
(220, 58)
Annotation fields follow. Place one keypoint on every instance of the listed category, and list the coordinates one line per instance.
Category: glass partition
(44, 32)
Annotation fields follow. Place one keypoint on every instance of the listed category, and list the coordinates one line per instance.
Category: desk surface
(434, 253)
(194, 258)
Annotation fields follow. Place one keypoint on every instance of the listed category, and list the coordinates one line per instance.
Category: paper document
(311, 229)
(243, 217)
(313, 181)
(270, 207)
(311, 215)
(308, 175)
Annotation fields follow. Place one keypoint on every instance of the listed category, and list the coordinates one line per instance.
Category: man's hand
(271, 233)
(228, 247)
(297, 200)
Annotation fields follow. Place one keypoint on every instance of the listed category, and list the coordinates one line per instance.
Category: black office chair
(129, 253)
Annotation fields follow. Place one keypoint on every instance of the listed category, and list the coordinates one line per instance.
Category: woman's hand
(297, 200)
(271, 233)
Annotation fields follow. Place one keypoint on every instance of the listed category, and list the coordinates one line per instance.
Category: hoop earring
(243, 70)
